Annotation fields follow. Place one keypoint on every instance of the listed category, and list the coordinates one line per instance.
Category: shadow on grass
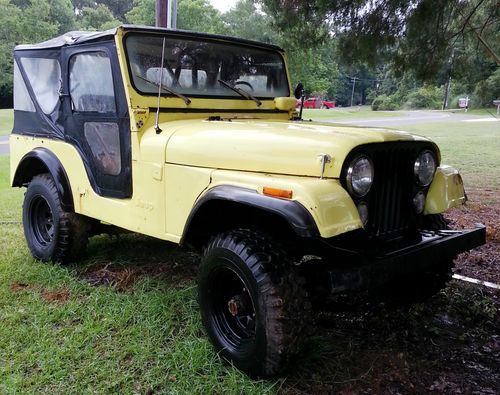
(120, 261)
(448, 345)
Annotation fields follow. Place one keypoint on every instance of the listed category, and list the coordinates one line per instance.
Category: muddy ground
(449, 345)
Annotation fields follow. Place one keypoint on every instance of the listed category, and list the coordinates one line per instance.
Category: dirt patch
(56, 296)
(141, 257)
(449, 345)
(482, 263)
(18, 287)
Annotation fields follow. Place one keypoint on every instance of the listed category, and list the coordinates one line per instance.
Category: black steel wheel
(52, 234)
(253, 306)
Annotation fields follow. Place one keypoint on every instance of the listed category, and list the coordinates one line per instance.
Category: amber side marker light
(279, 193)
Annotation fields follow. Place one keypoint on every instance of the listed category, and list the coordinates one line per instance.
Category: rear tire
(51, 233)
(253, 306)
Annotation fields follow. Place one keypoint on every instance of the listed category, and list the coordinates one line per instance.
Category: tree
(414, 34)
(196, 15)
(142, 12)
(62, 11)
(199, 15)
(31, 21)
(99, 18)
(247, 21)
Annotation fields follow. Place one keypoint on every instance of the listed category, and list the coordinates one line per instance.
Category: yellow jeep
(194, 139)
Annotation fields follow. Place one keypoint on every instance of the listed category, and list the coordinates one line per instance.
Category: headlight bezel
(422, 179)
(350, 173)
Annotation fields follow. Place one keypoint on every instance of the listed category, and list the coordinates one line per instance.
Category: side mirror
(299, 91)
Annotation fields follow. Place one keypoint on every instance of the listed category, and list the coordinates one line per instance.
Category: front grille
(390, 205)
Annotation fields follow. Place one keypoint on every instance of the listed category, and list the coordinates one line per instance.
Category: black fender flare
(41, 160)
(294, 213)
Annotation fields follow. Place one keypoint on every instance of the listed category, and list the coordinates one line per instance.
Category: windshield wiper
(241, 92)
(186, 99)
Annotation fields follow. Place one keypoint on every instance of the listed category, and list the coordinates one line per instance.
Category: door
(96, 118)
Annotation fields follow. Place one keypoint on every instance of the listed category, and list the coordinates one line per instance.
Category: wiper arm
(241, 92)
(186, 99)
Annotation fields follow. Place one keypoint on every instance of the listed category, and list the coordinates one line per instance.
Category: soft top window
(45, 78)
(22, 99)
(91, 82)
(195, 68)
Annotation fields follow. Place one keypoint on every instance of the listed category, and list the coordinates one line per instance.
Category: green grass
(356, 112)
(60, 334)
(477, 111)
(6, 121)
(471, 147)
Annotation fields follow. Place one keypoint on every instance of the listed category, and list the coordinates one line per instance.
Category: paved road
(412, 117)
(4, 145)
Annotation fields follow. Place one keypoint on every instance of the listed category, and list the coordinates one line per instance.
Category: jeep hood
(277, 147)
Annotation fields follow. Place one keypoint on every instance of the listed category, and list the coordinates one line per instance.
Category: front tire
(254, 307)
(51, 233)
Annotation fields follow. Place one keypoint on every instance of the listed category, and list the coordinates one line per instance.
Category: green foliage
(385, 103)
(417, 35)
(245, 20)
(62, 11)
(199, 15)
(31, 21)
(430, 97)
(99, 18)
(486, 91)
(142, 12)
(316, 69)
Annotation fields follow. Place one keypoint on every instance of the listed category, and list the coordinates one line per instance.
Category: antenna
(157, 126)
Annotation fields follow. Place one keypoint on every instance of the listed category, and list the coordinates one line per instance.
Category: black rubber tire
(52, 234)
(245, 266)
(422, 286)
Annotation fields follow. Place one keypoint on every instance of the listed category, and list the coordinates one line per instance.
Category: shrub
(486, 91)
(385, 103)
(425, 97)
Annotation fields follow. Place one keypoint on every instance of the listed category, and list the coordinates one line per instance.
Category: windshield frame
(222, 40)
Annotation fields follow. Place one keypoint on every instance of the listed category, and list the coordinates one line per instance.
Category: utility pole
(166, 13)
(353, 85)
(174, 14)
(161, 13)
(446, 93)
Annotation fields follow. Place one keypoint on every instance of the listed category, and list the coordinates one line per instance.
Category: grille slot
(390, 206)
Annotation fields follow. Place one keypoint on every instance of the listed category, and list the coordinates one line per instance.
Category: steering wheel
(244, 83)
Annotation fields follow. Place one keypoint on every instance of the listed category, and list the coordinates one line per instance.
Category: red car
(316, 102)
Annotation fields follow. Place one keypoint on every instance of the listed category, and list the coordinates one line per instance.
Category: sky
(223, 5)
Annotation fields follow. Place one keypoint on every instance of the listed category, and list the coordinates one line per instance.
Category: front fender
(328, 204)
(446, 191)
(299, 219)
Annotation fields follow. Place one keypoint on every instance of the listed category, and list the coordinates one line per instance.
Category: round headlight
(425, 166)
(360, 176)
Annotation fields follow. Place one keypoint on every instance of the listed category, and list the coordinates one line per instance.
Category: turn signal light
(276, 192)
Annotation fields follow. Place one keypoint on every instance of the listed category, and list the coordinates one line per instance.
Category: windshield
(196, 67)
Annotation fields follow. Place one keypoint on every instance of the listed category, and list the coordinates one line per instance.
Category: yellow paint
(329, 204)
(172, 170)
(446, 191)
(268, 146)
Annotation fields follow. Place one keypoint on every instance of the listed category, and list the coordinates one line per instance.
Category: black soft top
(80, 37)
